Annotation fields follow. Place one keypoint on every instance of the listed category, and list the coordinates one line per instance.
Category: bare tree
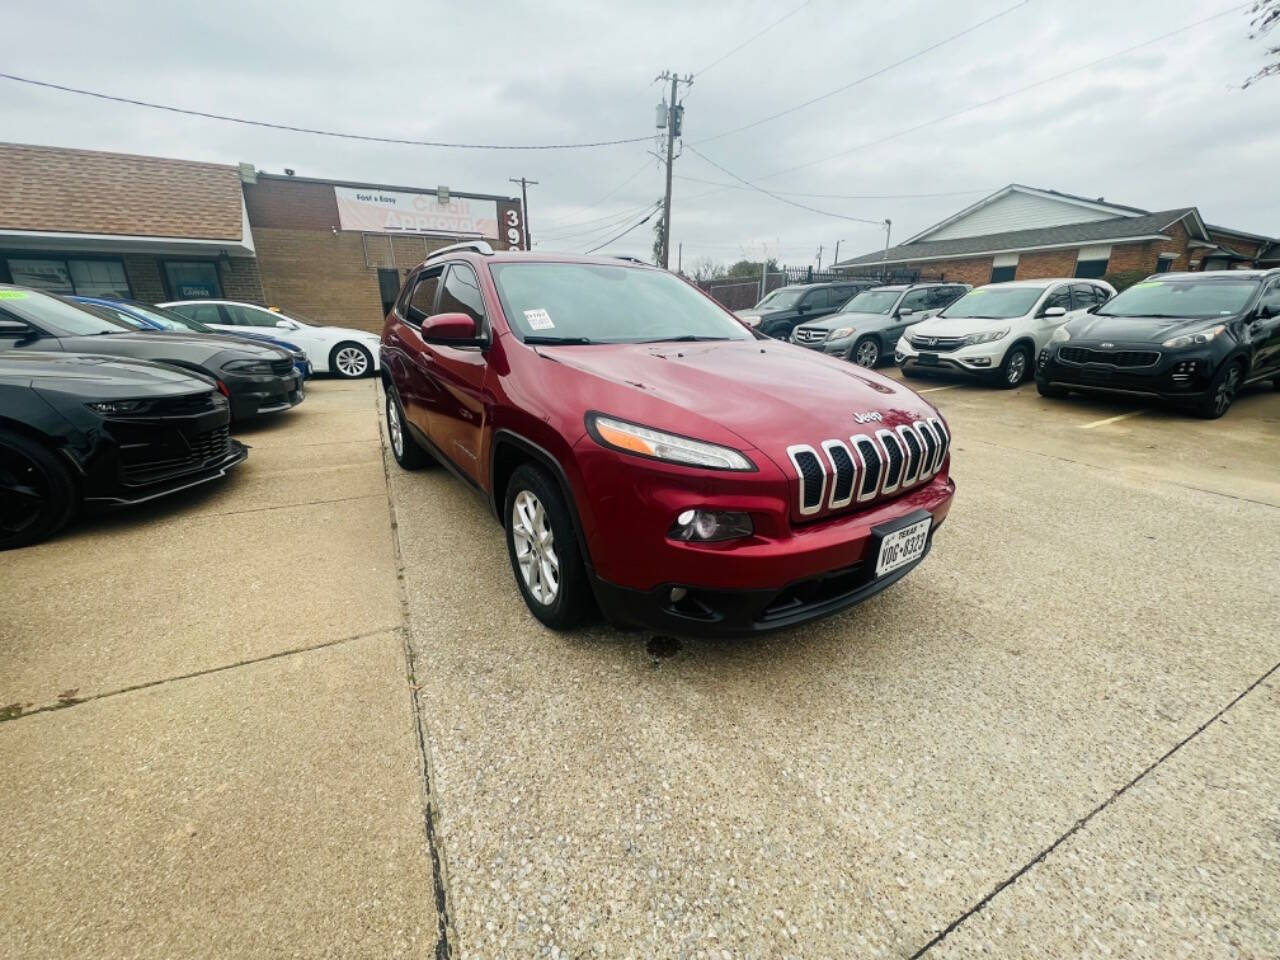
(1265, 14)
(704, 268)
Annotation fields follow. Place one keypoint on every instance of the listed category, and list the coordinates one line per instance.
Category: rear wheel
(866, 352)
(404, 448)
(1014, 369)
(350, 361)
(37, 492)
(543, 546)
(1222, 391)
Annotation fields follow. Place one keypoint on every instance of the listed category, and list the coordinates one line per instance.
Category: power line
(629, 229)
(869, 76)
(595, 203)
(752, 38)
(779, 197)
(841, 196)
(1003, 96)
(601, 223)
(313, 131)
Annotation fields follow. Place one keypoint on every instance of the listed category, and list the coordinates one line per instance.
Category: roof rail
(479, 246)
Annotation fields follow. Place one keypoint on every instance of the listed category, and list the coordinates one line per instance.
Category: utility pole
(837, 256)
(888, 229)
(675, 117)
(819, 258)
(524, 207)
(680, 258)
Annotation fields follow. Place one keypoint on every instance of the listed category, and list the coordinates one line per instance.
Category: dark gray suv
(778, 313)
(866, 328)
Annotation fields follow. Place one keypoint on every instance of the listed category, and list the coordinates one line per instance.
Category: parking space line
(950, 386)
(1120, 416)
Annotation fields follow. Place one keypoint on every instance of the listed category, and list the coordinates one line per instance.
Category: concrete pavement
(217, 753)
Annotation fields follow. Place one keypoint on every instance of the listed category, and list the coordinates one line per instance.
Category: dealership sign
(389, 211)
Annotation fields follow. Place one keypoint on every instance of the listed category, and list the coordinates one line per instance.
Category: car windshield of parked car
(781, 299)
(595, 303)
(171, 320)
(1181, 299)
(872, 301)
(993, 303)
(58, 316)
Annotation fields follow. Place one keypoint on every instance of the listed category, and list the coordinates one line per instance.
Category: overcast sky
(1165, 126)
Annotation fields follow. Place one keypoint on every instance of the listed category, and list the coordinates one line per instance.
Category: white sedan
(339, 350)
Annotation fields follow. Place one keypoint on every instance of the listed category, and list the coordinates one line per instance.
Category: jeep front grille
(865, 467)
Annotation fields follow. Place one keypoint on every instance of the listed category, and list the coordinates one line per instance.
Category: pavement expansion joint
(68, 698)
(445, 934)
(1083, 821)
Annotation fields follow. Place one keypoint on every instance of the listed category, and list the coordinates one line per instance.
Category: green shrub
(1123, 279)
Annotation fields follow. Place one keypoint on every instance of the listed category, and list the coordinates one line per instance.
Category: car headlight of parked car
(1194, 339)
(247, 366)
(841, 332)
(647, 442)
(750, 320)
(1060, 335)
(989, 337)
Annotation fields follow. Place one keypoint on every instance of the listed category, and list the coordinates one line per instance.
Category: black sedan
(87, 430)
(256, 378)
(1194, 339)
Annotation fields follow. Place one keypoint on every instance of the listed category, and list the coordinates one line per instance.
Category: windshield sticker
(980, 290)
(1147, 283)
(538, 320)
(13, 294)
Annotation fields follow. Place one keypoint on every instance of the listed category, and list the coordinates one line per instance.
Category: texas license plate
(903, 546)
(928, 359)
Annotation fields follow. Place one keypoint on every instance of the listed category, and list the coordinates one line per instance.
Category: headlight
(247, 366)
(750, 321)
(988, 337)
(841, 332)
(118, 408)
(1192, 339)
(1060, 335)
(646, 442)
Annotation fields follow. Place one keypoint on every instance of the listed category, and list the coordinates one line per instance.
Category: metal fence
(741, 293)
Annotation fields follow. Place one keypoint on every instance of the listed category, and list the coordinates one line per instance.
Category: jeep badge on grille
(871, 416)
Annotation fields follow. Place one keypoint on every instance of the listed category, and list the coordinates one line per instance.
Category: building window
(1001, 274)
(72, 275)
(192, 279)
(1165, 263)
(1092, 262)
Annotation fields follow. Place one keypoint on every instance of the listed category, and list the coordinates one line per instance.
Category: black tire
(866, 352)
(1222, 391)
(37, 491)
(409, 455)
(350, 361)
(1050, 391)
(1013, 371)
(571, 602)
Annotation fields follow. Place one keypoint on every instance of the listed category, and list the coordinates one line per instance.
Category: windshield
(596, 303)
(872, 301)
(781, 298)
(994, 303)
(170, 319)
(1182, 299)
(57, 316)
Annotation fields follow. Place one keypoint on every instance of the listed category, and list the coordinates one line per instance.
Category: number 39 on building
(514, 237)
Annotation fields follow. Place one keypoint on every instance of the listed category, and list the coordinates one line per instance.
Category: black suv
(779, 312)
(1191, 338)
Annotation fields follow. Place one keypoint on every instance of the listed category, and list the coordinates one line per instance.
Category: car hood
(96, 376)
(1137, 329)
(835, 320)
(195, 348)
(761, 395)
(959, 326)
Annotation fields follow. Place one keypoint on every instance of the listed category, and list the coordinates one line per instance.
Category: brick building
(153, 229)
(1022, 233)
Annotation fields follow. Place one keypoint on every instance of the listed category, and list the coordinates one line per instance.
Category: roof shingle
(83, 191)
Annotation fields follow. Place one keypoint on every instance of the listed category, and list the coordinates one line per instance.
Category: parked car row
(106, 402)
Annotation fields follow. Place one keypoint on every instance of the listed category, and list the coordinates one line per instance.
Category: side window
(1083, 296)
(461, 294)
(917, 299)
(202, 313)
(422, 301)
(817, 299)
(1060, 297)
(1271, 298)
(842, 295)
(246, 317)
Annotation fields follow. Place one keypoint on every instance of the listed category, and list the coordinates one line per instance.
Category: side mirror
(286, 325)
(1055, 312)
(451, 329)
(1268, 310)
(906, 311)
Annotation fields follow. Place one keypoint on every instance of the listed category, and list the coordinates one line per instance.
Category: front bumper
(141, 493)
(1177, 375)
(978, 360)
(254, 396)
(839, 348)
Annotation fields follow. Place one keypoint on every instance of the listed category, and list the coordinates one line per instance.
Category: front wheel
(866, 352)
(1014, 369)
(1222, 391)
(37, 492)
(543, 547)
(350, 361)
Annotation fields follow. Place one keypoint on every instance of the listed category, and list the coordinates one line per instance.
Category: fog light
(678, 594)
(898, 357)
(1042, 359)
(704, 525)
(981, 361)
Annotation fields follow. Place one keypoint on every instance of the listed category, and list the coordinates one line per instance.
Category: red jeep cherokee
(646, 451)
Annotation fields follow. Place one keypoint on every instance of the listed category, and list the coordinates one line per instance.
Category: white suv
(997, 331)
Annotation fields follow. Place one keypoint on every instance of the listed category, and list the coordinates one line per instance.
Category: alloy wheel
(868, 354)
(1225, 395)
(24, 491)
(352, 362)
(535, 548)
(394, 428)
(1017, 367)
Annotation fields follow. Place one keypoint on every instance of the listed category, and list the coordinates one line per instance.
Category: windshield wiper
(684, 338)
(556, 341)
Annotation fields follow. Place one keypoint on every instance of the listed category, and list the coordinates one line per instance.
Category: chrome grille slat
(844, 471)
(812, 474)
(930, 448)
(892, 445)
(872, 466)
